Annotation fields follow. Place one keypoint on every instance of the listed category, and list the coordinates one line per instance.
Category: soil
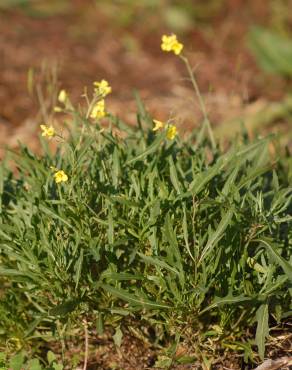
(138, 354)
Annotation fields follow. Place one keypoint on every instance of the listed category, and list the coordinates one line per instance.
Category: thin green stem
(63, 345)
(201, 100)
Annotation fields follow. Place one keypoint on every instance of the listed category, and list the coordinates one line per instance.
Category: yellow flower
(170, 43)
(158, 125)
(171, 132)
(58, 109)
(62, 97)
(102, 88)
(98, 111)
(47, 131)
(60, 176)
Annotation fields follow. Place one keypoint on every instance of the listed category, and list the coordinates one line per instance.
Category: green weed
(145, 231)
(20, 361)
(146, 228)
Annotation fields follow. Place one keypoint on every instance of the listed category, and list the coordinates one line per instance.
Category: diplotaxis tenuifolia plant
(150, 230)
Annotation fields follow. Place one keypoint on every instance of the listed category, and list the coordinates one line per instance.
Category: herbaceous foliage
(176, 233)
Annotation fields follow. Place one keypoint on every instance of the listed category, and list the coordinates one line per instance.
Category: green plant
(21, 362)
(145, 232)
(272, 51)
(145, 226)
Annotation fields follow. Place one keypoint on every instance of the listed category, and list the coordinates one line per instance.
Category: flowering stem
(95, 99)
(78, 146)
(200, 99)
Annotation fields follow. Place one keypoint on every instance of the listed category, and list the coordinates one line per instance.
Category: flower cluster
(171, 130)
(102, 88)
(50, 132)
(98, 110)
(170, 43)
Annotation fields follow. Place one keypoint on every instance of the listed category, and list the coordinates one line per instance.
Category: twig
(279, 363)
(86, 344)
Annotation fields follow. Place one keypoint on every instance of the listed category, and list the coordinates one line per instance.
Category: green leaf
(229, 299)
(140, 105)
(64, 308)
(34, 364)
(31, 327)
(116, 167)
(152, 148)
(2, 358)
(173, 251)
(173, 176)
(51, 357)
(110, 230)
(99, 324)
(230, 181)
(57, 366)
(118, 337)
(17, 361)
(54, 215)
(262, 316)
(78, 269)
(155, 261)
(121, 276)
(185, 231)
(131, 298)
(186, 359)
(215, 236)
(272, 249)
(202, 179)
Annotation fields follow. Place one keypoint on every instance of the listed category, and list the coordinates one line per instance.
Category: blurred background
(241, 51)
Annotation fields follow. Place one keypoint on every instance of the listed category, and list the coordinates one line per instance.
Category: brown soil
(137, 354)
